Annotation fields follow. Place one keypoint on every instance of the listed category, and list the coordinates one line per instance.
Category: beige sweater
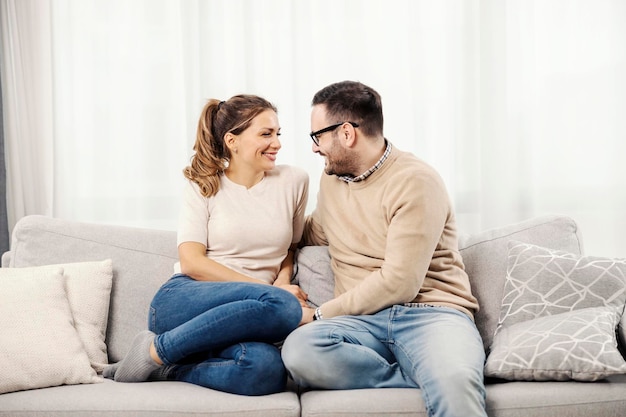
(248, 230)
(392, 239)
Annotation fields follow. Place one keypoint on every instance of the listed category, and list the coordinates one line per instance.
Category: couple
(403, 311)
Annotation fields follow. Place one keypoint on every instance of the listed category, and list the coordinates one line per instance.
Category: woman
(216, 321)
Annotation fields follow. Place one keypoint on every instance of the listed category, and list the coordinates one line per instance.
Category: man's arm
(313, 234)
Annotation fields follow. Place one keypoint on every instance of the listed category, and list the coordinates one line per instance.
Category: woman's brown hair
(216, 120)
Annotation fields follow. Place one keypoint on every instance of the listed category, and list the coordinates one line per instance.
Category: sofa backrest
(485, 258)
(143, 259)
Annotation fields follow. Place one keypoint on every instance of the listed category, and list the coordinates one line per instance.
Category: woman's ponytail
(209, 161)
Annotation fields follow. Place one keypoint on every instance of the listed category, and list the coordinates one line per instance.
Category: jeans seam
(152, 319)
(392, 314)
(160, 353)
(399, 346)
(241, 357)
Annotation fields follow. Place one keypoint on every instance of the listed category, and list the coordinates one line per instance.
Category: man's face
(339, 159)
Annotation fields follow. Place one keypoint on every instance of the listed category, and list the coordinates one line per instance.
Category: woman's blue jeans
(222, 335)
(436, 349)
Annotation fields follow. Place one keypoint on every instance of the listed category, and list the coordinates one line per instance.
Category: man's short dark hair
(352, 101)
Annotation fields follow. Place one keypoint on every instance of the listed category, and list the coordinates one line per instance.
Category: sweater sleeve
(313, 231)
(194, 216)
(417, 209)
(302, 194)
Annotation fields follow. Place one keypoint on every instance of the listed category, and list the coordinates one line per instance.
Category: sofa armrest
(6, 259)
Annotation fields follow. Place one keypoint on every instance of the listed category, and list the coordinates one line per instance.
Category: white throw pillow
(88, 288)
(39, 346)
(89, 294)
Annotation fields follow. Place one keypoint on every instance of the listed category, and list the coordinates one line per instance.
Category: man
(403, 310)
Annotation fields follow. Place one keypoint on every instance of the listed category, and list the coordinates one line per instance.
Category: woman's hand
(307, 315)
(295, 290)
(283, 279)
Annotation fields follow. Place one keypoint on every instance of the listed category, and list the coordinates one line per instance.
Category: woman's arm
(286, 268)
(194, 263)
(283, 280)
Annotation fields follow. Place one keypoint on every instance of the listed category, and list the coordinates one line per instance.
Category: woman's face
(258, 145)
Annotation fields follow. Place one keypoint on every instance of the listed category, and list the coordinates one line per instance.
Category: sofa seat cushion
(363, 402)
(154, 399)
(507, 399)
(557, 398)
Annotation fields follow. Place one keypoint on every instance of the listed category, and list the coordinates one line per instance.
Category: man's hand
(307, 315)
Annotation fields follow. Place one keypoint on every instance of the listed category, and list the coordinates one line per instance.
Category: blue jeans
(436, 349)
(222, 335)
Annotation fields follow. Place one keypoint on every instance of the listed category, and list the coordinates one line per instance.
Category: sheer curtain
(26, 71)
(553, 96)
(5, 238)
(518, 104)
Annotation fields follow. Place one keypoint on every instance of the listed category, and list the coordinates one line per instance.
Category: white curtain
(519, 104)
(26, 69)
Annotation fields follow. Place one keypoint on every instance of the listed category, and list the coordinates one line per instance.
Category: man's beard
(341, 163)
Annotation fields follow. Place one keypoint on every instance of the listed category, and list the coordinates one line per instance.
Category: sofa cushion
(579, 345)
(314, 275)
(559, 316)
(542, 282)
(147, 399)
(142, 259)
(39, 346)
(508, 399)
(88, 286)
(89, 293)
(485, 258)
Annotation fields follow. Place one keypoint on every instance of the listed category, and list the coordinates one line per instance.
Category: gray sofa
(143, 259)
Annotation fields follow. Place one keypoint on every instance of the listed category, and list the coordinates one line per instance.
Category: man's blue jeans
(436, 349)
(222, 335)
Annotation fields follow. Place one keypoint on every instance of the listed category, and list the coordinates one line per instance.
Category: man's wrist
(317, 315)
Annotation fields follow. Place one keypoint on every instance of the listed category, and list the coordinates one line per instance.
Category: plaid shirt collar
(349, 178)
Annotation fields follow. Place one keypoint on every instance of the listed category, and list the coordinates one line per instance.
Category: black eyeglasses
(314, 135)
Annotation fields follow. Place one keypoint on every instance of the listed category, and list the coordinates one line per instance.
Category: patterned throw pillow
(579, 345)
(542, 282)
(545, 295)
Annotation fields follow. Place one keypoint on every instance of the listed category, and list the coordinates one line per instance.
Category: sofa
(110, 274)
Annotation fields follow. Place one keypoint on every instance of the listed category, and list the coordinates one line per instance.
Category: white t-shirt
(248, 230)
